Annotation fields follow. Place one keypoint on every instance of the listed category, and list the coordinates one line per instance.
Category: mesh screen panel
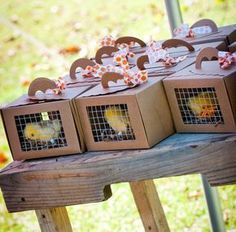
(110, 123)
(40, 131)
(199, 106)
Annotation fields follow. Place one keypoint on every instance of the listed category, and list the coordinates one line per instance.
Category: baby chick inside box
(202, 96)
(118, 117)
(45, 126)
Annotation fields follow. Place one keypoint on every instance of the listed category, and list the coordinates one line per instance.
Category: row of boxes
(88, 116)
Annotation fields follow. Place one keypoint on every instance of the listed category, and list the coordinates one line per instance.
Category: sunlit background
(42, 38)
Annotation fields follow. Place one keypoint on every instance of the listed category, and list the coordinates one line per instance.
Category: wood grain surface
(149, 206)
(85, 178)
(54, 220)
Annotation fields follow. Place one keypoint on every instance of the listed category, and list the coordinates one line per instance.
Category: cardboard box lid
(208, 68)
(232, 47)
(211, 37)
(68, 94)
(218, 33)
(182, 51)
(80, 80)
(159, 69)
(221, 35)
(169, 46)
(203, 37)
(227, 33)
(138, 49)
(228, 30)
(118, 89)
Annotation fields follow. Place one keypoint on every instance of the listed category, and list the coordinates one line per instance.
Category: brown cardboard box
(225, 34)
(202, 96)
(121, 118)
(43, 127)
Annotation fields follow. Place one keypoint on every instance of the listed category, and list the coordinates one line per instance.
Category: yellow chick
(117, 119)
(202, 105)
(42, 132)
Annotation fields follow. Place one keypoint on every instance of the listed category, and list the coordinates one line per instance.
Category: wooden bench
(48, 185)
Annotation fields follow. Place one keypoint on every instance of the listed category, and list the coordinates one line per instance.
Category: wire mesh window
(40, 131)
(110, 123)
(199, 106)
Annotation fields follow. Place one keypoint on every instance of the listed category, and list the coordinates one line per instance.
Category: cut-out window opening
(199, 106)
(110, 123)
(40, 131)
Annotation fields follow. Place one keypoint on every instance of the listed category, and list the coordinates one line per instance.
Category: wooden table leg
(54, 220)
(149, 206)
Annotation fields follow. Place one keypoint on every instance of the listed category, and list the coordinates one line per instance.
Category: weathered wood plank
(77, 179)
(54, 220)
(149, 206)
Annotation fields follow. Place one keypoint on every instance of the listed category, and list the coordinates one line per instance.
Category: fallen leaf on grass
(11, 52)
(77, 26)
(3, 157)
(69, 50)
(195, 194)
(56, 9)
(24, 82)
(10, 39)
(226, 216)
(14, 19)
(155, 10)
(42, 67)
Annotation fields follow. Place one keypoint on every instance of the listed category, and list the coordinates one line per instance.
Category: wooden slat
(149, 206)
(85, 178)
(54, 220)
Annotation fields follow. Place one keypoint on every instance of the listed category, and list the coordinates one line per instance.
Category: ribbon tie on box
(184, 31)
(154, 45)
(98, 70)
(132, 79)
(120, 57)
(61, 85)
(107, 40)
(156, 53)
(226, 59)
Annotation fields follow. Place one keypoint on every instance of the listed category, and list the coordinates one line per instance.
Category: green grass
(58, 24)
